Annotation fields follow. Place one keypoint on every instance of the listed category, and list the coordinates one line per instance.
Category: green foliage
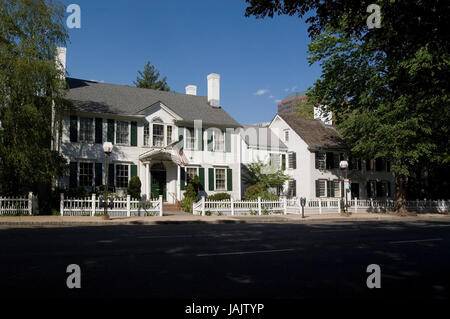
(387, 87)
(134, 187)
(149, 79)
(259, 190)
(219, 196)
(264, 174)
(304, 109)
(77, 192)
(190, 195)
(29, 83)
(208, 213)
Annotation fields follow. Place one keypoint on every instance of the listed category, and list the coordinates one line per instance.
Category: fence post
(61, 204)
(299, 206)
(259, 205)
(30, 203)
(93, 205)
(232, 206)
(320, 206)
(339, 206)
(203, 205)
(371, 202)
(285, 205)
(356, 205)
(128, 206)
(160, 205)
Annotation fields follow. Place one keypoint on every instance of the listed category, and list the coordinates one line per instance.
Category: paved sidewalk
(157, 220)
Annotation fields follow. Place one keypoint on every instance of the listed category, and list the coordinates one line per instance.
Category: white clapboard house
(168, 138)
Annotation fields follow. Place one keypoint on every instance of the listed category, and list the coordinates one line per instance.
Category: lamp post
(107, 148)
(344, 165)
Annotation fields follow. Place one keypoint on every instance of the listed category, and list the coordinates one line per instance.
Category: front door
(158, 181)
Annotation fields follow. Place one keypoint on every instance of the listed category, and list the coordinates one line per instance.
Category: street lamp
(344, 165)
(107, 148)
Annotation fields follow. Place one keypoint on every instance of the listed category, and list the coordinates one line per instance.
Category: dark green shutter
(388, 184)
(98, 174)
(210, 140)
(317, 188)
(182, 178)
(229, 179)
(329, 160)
(73, 129)
(200, 139)
(368, 189)
(211, 179)
(316, 154)
(73, 179)
(110, 137)
(133, 170)
(201, 176)
(133, 133)
(111, 175)
(283, 162)
(227, 141)
(99, 130)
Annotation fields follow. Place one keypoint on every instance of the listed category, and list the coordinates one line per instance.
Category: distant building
(287, 106)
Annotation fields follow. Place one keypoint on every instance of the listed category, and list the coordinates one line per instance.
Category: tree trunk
(400, 194)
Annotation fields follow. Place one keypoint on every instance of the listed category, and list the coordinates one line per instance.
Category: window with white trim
(86, 129)
(274, 160)
(219, 140)
(191, 172)
(122, 175)
(286, 135)
(123, 132)
(337, 188)
(146, 134)
(220, 178)
(169, 134)
(86, 174)
(158, 135)
(190, 138)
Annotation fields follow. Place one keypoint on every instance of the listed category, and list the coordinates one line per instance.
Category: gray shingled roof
(98, 97)
(317, 135)
(261, 137)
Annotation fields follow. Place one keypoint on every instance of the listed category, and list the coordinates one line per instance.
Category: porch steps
(171, 207)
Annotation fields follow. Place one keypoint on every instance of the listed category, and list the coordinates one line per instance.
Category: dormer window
(158, 135)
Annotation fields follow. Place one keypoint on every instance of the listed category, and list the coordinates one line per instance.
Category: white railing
(313, 206)
(232, 207)
(123, 207)
(17, 205)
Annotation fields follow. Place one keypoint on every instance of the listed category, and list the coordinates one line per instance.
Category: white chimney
(61, 59)
(191, 89)
(214, 89)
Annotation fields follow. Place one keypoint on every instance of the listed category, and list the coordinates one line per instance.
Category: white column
(320, 205)
(178, 191)
(147, 181)
(160, 205)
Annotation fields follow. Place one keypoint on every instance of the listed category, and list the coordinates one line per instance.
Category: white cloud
(261, 92)
(278, 101)
(271, 97)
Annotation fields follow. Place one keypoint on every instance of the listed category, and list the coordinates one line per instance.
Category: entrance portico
(161, 175)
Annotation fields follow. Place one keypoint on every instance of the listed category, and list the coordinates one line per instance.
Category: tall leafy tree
(149, 79)
(388, 86)
(30, 82)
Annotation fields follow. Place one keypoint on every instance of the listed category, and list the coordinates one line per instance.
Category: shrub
(219, 196)
(259, 190)
(134, 187)
(208, 213)
(190, 197)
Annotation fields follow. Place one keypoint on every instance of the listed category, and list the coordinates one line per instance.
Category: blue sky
(260, 60)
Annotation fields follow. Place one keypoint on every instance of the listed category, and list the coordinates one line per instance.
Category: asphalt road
(325, 260)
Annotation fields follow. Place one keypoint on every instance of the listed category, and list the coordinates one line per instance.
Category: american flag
(178, 153)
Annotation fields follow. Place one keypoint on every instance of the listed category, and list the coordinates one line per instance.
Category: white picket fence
(123, 207)
(17, 205)
(313, 206)
(239, 208)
